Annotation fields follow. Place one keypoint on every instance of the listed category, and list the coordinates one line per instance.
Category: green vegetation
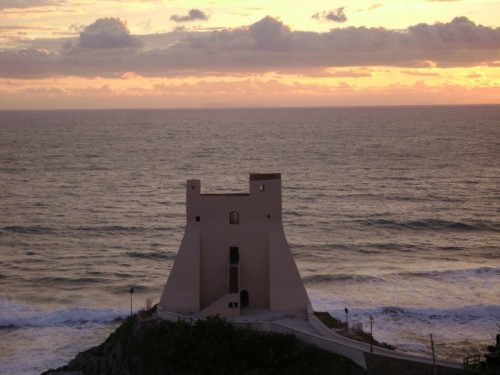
(210, 346)
(341, 328)
(489, 363)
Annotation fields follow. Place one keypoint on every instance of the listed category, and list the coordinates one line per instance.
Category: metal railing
(472, 361)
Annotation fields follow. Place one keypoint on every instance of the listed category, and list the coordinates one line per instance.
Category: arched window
(234, 217)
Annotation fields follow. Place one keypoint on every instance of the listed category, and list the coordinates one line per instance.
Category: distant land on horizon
(381, 106)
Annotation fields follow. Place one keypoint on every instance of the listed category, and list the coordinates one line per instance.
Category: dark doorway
(244, 298)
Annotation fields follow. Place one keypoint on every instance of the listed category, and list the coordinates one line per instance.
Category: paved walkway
(311, 330)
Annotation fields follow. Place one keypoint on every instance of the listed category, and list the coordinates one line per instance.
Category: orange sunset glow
(179, 54)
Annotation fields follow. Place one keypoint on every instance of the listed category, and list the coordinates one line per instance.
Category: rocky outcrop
(211, 346)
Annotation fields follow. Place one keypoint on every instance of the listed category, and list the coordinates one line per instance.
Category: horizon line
(250, 107)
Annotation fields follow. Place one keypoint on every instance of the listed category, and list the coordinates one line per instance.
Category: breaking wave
(459, 315)
(484, 315)
(14, 315)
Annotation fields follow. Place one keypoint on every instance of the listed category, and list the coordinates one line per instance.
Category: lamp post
(371, 333)
(433, 357)
(347, 318)
(131, 292)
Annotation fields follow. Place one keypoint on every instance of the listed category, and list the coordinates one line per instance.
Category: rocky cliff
(211, 346)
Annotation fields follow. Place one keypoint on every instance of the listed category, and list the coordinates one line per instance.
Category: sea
(390, 212)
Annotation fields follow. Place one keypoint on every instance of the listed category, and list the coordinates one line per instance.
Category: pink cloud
(420, 74)
(352, 74)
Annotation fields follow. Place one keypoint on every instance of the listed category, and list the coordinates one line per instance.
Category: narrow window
(234, 217)
(197, 218)
(262, 187)
(234, 255)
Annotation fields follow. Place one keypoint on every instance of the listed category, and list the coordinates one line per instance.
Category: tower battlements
(261, 205)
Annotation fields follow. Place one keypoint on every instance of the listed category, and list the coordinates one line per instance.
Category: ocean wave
(16, 315)
(327, 278)
(459, 273)
(377, 248)
(325, 247)
(120, 229)
(27, 229)
(287, 213)
(459, 314)
(150, 255)
(71, 281)
(456, 315)
(112, 228)
(432, 224)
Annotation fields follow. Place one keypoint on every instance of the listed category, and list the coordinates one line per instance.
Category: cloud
(23, 4)
(103, 90)
(42, 90)
(13, 28)
(76, 28)
(459, 33)
(107, 49)
(375, 6)
(269, 33)
(193, 15)
(417, 73)
(336, 15)
(351, 74)
(107, 33)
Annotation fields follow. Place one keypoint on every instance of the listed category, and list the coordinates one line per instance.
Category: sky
(64, 54)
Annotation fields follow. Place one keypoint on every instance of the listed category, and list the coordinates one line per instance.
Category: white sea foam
(48, 339)
(17, 315)
(459, 331)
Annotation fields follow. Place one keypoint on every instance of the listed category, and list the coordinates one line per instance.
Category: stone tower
(234, 257)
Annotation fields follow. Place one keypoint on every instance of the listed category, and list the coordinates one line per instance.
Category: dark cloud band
(106, 48)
